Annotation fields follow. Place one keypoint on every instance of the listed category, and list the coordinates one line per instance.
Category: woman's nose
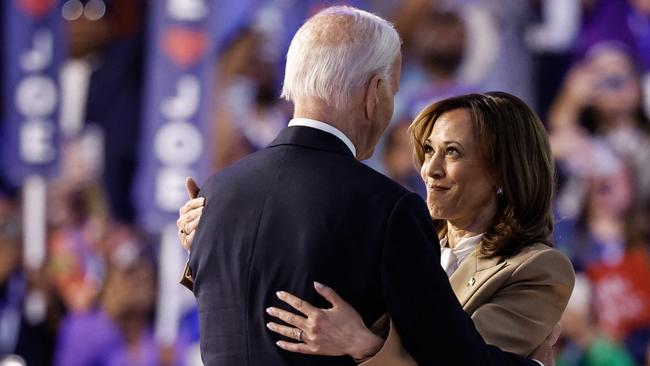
(434, 167)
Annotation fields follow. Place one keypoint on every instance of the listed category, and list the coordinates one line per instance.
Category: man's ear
(372, 95)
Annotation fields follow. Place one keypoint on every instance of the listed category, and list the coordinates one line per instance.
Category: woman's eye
(451, 151)
(428, 149)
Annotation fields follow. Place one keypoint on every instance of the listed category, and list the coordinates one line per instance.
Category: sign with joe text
(176, 114)
(33, 49)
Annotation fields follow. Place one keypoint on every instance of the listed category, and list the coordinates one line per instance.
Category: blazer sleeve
(186, 277)
(523, 313)
(433, 326)
(391, 352)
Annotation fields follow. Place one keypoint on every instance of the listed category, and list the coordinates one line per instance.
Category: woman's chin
(437, 213)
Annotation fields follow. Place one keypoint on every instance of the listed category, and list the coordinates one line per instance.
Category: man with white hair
(305, 209)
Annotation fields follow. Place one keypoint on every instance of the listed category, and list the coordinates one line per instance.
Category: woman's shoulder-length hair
(514, 145)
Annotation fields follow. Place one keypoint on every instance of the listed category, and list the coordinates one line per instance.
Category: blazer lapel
(472, 274)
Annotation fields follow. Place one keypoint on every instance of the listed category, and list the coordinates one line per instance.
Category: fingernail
(269, 310)
(202, 199)
(319, 285)
(268, 325)
(279, 294)
(277, 343)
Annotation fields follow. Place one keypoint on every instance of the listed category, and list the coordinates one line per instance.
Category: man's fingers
(297, 303)
(289, 332)
(191, 187)
(187, 243)
(287, 317)
(329, 294)
(295, 347)
(192, 204)
(192, 225)
(194, 213)
(544, 353)
(555, 335)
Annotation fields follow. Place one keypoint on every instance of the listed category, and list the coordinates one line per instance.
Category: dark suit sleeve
(434, 328)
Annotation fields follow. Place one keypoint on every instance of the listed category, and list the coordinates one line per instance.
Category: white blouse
(450, 259)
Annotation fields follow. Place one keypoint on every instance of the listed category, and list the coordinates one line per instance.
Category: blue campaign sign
(175, 136)
(33, 49)
(184, 37)
(230, 17)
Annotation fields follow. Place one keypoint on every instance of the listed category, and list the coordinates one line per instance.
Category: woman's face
(611, 195)
(616, 90)
(459, 186)
(398, 159)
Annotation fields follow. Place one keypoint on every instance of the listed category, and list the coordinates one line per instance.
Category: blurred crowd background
(583, 65)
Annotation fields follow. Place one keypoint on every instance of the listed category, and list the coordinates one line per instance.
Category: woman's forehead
(455, 124)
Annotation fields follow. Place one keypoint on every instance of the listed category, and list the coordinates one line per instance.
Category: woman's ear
(372, 96)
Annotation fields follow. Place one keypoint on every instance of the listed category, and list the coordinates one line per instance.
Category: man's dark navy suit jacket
(304, 210)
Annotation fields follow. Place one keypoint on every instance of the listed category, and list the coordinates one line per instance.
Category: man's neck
(307, 122)
(343, 121)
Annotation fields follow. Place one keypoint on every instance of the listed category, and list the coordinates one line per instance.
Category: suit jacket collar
(311, 138)
(473, 273)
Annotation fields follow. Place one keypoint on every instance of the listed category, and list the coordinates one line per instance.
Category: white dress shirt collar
(306, 122)
(450, 259)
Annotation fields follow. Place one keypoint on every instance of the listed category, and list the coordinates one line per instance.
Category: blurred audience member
(602, 97)
(12, 279)
(580, 343)
(118, 330)
(78, 219)
(602, 223)
(627, 22)
(27, 327)
(455, 47)
(398, 159)
(606, 241)
(249, 114)
(438, 41)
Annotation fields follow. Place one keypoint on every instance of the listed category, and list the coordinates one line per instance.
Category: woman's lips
(436, 188)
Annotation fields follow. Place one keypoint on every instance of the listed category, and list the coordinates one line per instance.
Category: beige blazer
(514, 302)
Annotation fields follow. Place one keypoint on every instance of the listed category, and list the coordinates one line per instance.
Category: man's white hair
(336, 52)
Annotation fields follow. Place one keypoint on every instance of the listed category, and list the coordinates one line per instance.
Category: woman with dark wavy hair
(487, 166)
